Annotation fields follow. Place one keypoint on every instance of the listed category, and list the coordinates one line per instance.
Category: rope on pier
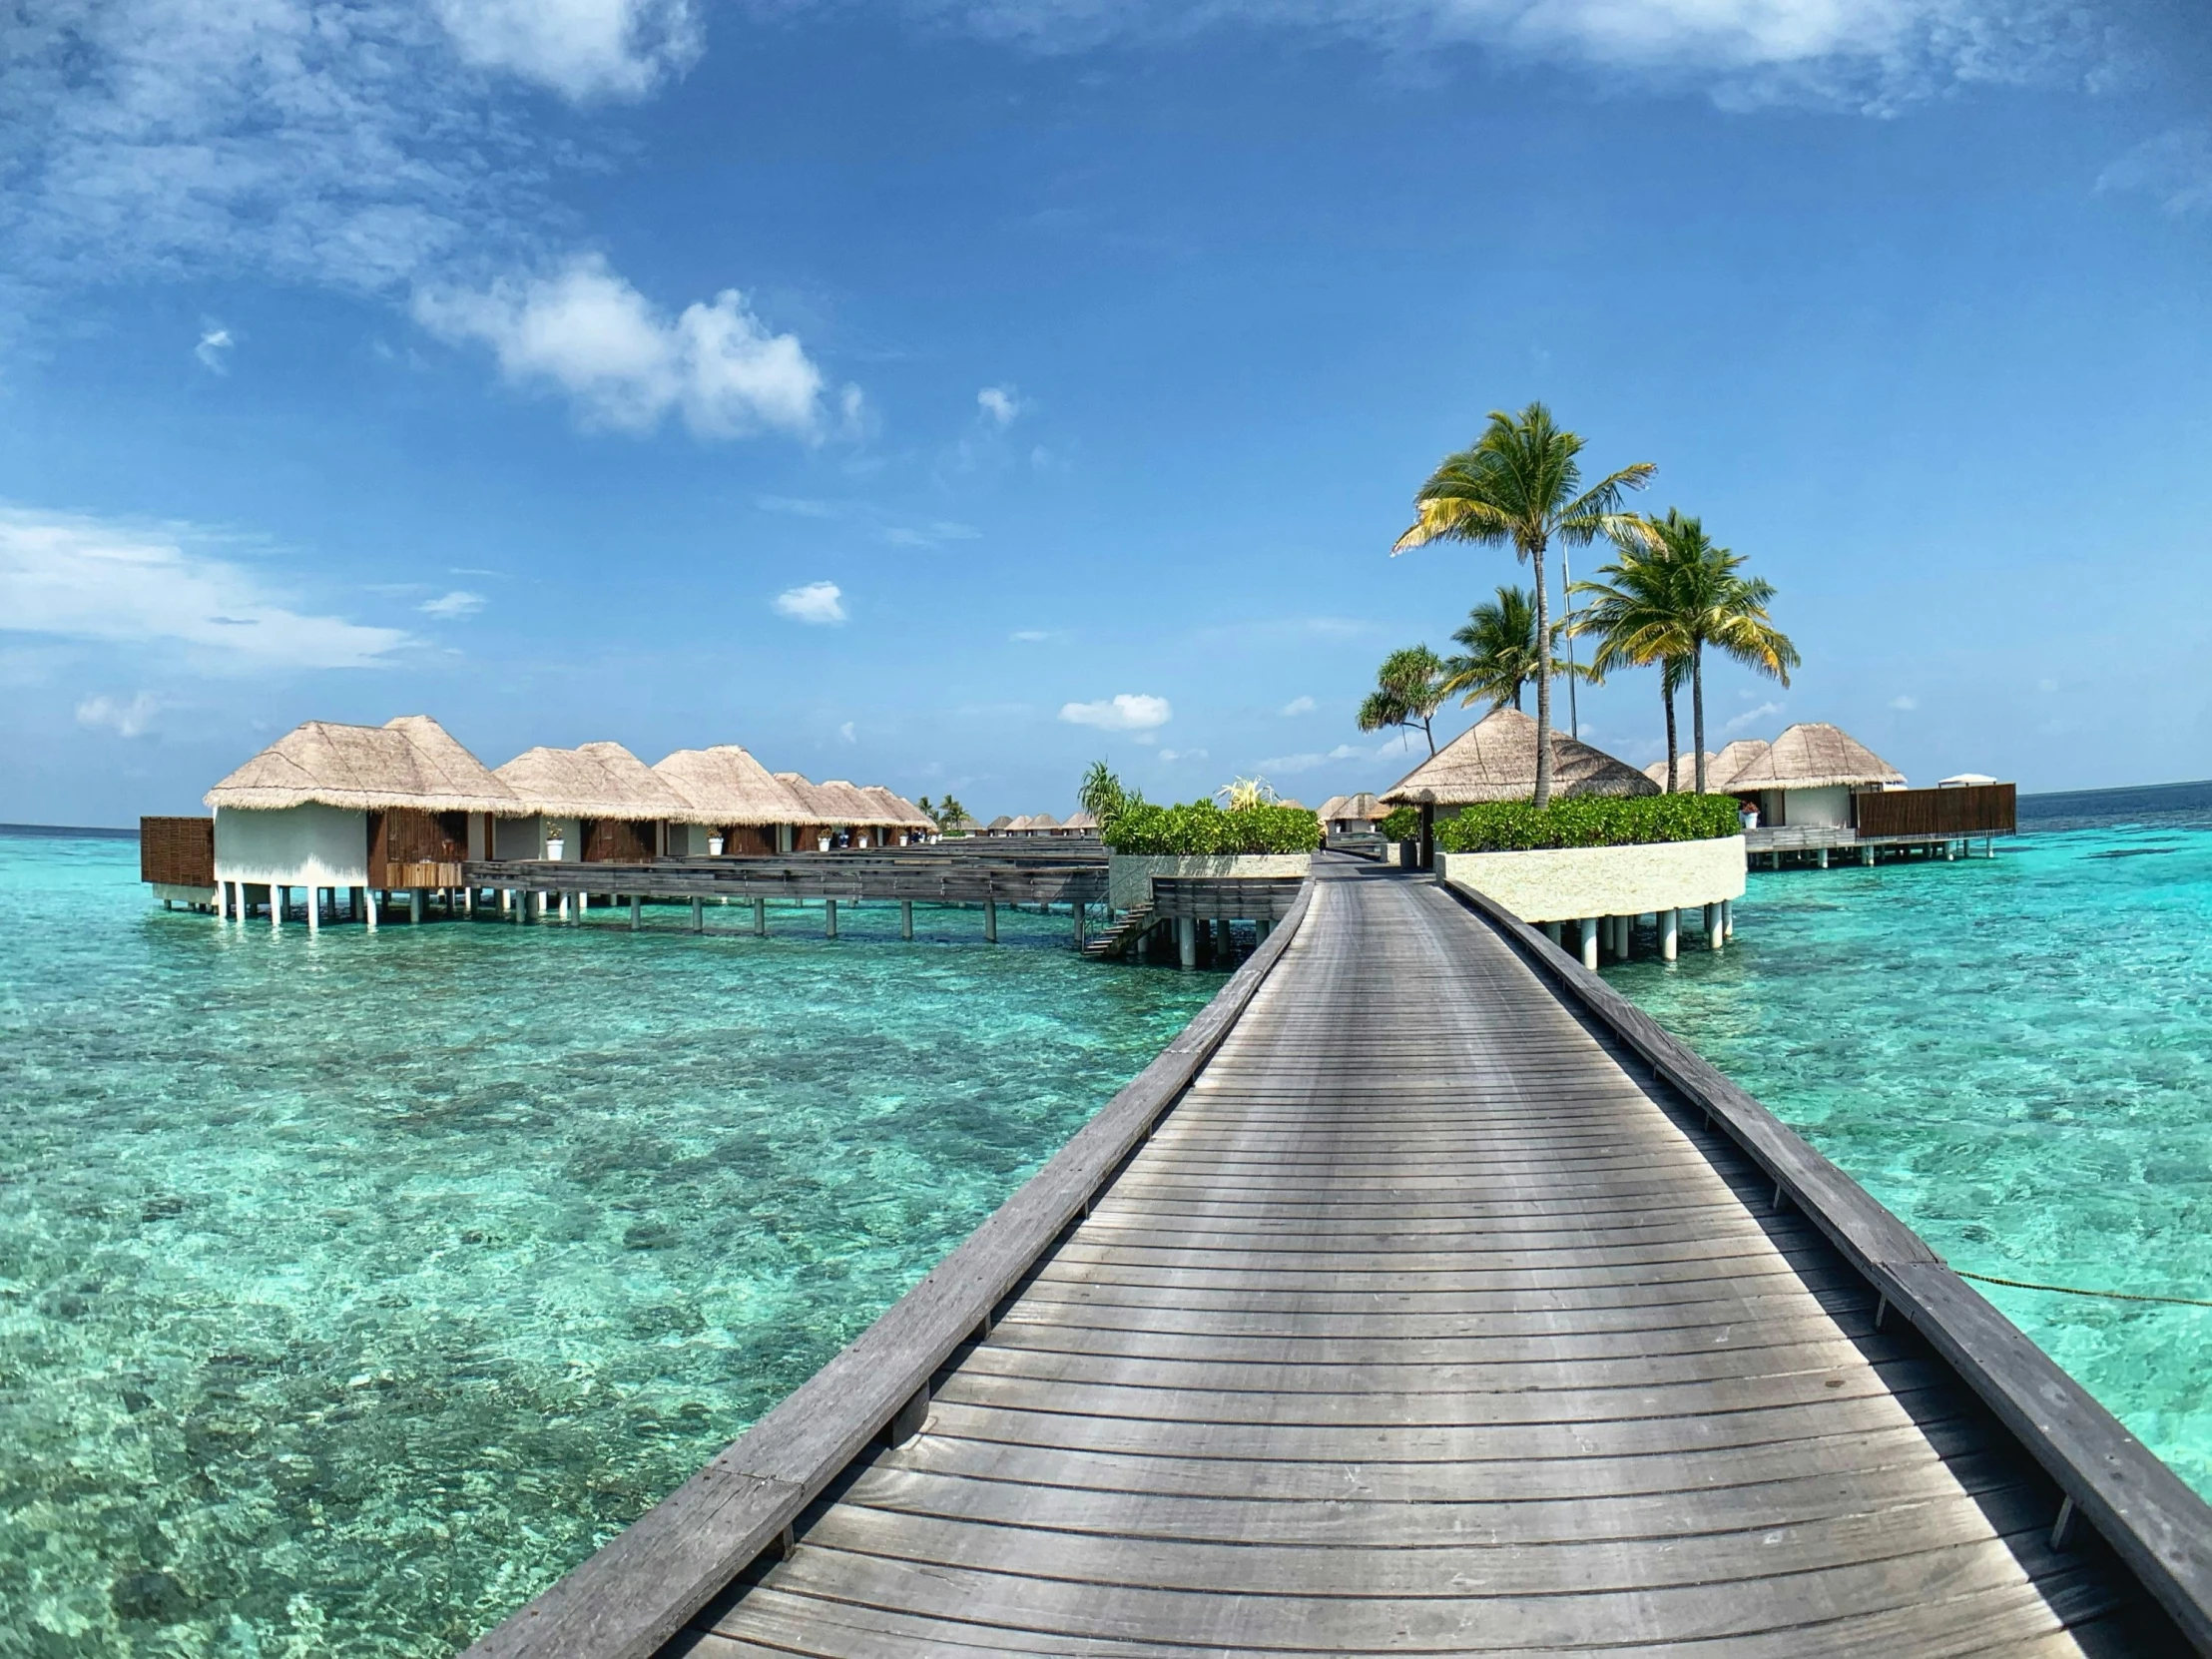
(2071, 1289)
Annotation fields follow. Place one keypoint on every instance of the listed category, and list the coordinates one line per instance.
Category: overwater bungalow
(1685, 771)
(381, 809)
(999, 826)
(1080, 822)
(1496, 760)
(1351, 815)
(1040, 823)
(594, 803)
(908, 825)
(1806, 776)
(741, 807)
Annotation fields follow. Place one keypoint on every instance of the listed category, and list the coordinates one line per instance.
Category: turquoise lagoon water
(351, 1289)
(2016, 1057)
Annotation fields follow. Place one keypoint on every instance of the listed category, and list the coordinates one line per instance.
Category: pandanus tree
(1679, 596)
(1499, 652)
(1409, 689)
(1519, 485)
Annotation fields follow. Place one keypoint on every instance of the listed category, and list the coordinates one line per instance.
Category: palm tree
(1520, 483)
(1501, 644)
(1637, 623)
(1408, 689)
(1708, 604)
(1102, 794)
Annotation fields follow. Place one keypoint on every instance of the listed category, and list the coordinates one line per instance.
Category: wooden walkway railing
(912, 876)
(1423, 1296)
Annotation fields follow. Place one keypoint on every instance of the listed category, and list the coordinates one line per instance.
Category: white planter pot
(555, 849)
(714, 845)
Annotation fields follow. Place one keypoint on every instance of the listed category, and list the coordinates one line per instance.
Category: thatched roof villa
(596, 802)
(1806, 776)
(1351, 815)
(741, 804)
(370, 807)
(1080, 822)
(1496, 760)
(908, 822)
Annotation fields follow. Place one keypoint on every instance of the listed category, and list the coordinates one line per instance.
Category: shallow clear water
(352, 1288)
(2015, 1056)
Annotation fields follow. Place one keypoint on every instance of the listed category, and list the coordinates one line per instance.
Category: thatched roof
(1042, 823)
(1080, 820)
(1732, 759)
(1338, 807)
(727, 786)
(1496, 760)
(1813, 756)
(999, 826)
(410, 761)
(1685, 771)
(819, 810)
(903, 813)
(859, 807)
(594, 780)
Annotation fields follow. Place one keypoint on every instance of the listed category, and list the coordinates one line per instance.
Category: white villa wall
(294, 847)
(1129, 876)
(1571, 883)
(1827, 808)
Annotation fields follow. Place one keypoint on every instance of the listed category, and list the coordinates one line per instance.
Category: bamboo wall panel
(1977, 810)
(177, 852)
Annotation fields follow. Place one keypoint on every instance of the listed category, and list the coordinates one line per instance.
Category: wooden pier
(1423, 1296)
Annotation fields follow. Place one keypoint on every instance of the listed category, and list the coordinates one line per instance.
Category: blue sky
(945, 394)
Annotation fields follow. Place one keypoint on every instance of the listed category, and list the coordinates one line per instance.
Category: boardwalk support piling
(990, 921)
(906, 919)
(1589, 942)
(760, 918)
(699, 916)
(637, 912)
(828, 918)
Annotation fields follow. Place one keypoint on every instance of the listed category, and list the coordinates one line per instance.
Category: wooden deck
(1435, 1317)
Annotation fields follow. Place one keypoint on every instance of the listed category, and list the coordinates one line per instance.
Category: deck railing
(1975, 809)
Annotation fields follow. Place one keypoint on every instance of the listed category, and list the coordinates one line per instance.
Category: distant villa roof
(999, 823)
(1496, 760)
(408, 763)
(904, 812)
(729, 786)
(1080, 819)
(594, 780)
(1686, 770)
(1813, 756)
(1338, 807)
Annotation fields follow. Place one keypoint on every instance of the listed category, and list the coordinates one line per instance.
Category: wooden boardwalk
(1427, 1322)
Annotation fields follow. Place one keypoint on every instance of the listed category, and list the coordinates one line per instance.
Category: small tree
(1101, 792)
(1408, 689)
(948, 815)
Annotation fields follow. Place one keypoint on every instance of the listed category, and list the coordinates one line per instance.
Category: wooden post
(1186, 941)
(415, 904)
(906, 919)
(637, 912)
(829, 918)
(990, 920)
(1670, 929)
(699, 916)
(760, 919)
(1589, 942)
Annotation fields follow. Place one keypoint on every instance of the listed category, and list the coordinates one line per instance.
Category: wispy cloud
(125, 719)
(451, 607)
(1173, 755)
(1905, 704)
(625, 364)
(999, 405)
(797, 507)
(820, 603)
(929, 535)
(161, 586)
(1030, 636)
(582, 49)
(1290, 764)
(1751, 717)
(214, 349)
(2175, 168)
(1300, 706)
(1125, 712)
(848, 732)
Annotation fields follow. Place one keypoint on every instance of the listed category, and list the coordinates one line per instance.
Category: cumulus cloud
(1126, 711)
(1866, 52)
(2175, 168)
(80, 578)
(999, 405)
(451, 607)
(1751, 716)
(624, 362)
(580, 48)
(214, 348)
(132, 719)
(820, 603)
(1300, 706)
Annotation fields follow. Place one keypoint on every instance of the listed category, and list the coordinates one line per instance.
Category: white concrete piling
(990, 921)
(906, 919)
(1670, 934)
(760, 919)
(1186, 942)
(828, 918)
(1589, 942)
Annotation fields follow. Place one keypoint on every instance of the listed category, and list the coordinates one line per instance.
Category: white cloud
(1292, 762)
(1871, 53)
(1172, 755)
(1752, 716)
(580, 48)
(1127, 712)
(1300, 706)
(845, 732)
(1030, 636)
(999, 405)
(624, 362)
(816, 602)
(797, 507)
(1346, 752)
(929, 535)
(1905, 703)
(2175, 167)
(125, 720)
(451, 607)
(215, 343)
(79, 578)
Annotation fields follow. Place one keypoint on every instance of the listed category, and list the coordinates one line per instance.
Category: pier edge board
(2152, 1520)
(640, 1588)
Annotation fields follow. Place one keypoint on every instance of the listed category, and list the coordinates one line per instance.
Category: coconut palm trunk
(1674, 742)
(1697, 710)
(1542, 797)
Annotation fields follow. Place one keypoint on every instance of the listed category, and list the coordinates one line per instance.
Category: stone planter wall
(1569, 883)
(1129, 876)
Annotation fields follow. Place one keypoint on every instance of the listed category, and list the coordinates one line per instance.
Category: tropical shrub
(1588, 821)
(1402, 825)
(1199, 828)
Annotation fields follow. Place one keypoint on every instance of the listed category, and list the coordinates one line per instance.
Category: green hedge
(1199, 828)
(1588, 821)
(1402, 825)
